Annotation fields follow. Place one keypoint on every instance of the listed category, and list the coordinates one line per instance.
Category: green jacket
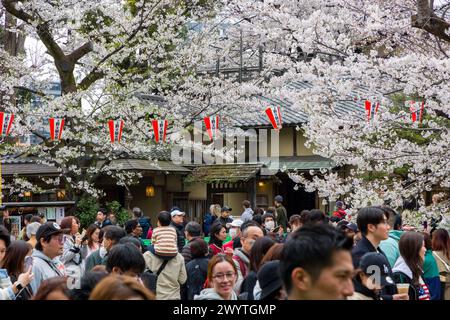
(390, 246)
(93, 260)
(282, 217)
(430, 267)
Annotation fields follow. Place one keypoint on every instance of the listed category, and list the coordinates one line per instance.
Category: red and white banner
(274, 115)
(56, 128)
(212, 126)
(6, 120)
(371, 109)
(416, 108)
(115, 130)
(160, 130)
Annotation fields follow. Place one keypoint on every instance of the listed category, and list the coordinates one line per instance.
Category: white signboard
(59, 214)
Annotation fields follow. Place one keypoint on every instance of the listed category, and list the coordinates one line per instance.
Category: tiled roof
(305, 163)
(224, 172)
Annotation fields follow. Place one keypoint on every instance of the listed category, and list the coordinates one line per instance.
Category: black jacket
(180, 235)
(186, 252)
(249, 284)
(197, 270)
(365, 246)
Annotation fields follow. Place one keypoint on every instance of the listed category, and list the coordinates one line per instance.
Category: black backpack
(150, 279)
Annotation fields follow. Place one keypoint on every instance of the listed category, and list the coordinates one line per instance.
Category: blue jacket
(207, 223)
(145, 224)
(197, 270)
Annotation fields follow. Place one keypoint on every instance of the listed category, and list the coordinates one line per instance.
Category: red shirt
(215, 249)
(340, 213)
(229, 244)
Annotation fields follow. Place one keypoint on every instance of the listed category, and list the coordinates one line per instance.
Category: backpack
(150, 279)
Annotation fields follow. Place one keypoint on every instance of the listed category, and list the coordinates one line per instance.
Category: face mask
(270, 225)
(233, 233)
(103, 252)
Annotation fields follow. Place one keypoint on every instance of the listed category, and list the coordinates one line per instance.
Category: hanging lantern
(160, 130)
(115, 130)
(416, 108)
(6, 120)
(212, 126)
(56, 128)
(371, 109)
(274, 115)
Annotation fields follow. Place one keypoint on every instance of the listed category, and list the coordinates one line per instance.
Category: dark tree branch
(80, 52)
(425, 19)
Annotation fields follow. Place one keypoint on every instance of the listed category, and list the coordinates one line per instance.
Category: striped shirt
(164, 240)
(423, 292)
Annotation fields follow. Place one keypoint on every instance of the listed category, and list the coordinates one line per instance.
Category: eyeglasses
(222, 276)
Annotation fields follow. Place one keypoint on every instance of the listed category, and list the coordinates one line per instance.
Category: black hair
(164, 218)
(47, 239)
(133, 240)
(193, 229)
(267, 215)
(370, 215)
(311, 248)
(103, 210)
(114, 233)
(5, 236)
(317, 216)
(130, 225)
(28, 217)
(126, 257)
(199, 248)
(88, 282)
(215, 228)
(35, 219)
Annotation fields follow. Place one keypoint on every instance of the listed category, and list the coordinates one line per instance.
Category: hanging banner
(160, 130)
(6, 120)
(416, 108)
(212, 126)
(115, 130)
(56, 128)
(274, 115)
(371, 109)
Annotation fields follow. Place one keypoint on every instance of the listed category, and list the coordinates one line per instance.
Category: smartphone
(28, 262)
(276, 229)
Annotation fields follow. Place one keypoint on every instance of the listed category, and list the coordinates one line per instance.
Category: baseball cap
(49, 229)
(375, 262)
(269, 278)
(235, 223)
(278, 198)
(177, 213)
(225, 208)
(351, 226)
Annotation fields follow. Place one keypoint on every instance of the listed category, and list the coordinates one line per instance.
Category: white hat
(235, 223)
(177, 213)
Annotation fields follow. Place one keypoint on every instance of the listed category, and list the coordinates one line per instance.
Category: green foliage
(86, 211)
(121, 213)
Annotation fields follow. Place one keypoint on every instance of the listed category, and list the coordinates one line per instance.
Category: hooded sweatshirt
(241, 261)
(211, 294)
(421, 291)
(6, 292)
(247, 215)
(44, 268)
(390, 246)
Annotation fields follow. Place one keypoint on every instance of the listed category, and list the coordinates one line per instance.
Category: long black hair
(215, 229)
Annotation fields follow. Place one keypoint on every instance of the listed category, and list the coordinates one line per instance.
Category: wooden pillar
(252, 192)
(208, 195)
(295, 142)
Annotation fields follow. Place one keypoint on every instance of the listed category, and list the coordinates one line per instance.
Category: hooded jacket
(242, 263)
(211, 294)
(6, 291)
(73, 256)
(44, 268)
(247, 215)
(390, 246)
(403, 274)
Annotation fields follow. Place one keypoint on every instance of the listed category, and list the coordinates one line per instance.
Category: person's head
(27, 219)
(14, 260)
(102, 214)
(270, 282)
(217, 233)
(50, 240)
(199, 248)
(440, 242)
(88, 282)
(225, 212)
(398, 223)
(215, 210)
(32, 228)
(131, 240)
(118, 287)
(5, 240)
(36, 219)
(295, 222)
(427, 241)
(317, 216)
(304, 217)
(278, 200)
(125, 259)
(53, 289)
(133, 227)
(112, 236)
(350, 230)
(258, 251)
(246, 204)
(271, 210)
(274, 253)
(93, 234)
(235, 228)
(373, 271)
(268, 221)
(412, 249)
(373, 223)
(316, 264)
(340, 204)
(249, 234)
(177, 216)
(70, 223)
(391, 215)
(192, 229)
(137, 212)
(164, 218)
(222, 275)
(112, 217)
(259, 211)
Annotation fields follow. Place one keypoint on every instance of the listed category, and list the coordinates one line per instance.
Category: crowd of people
(261, 255)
